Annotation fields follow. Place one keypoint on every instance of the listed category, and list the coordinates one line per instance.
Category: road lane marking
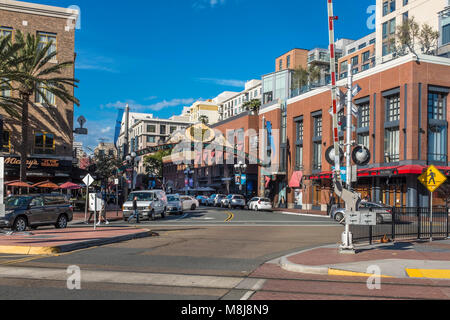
(151, 279)
(230, 216)
(428, 273)
(247, 295)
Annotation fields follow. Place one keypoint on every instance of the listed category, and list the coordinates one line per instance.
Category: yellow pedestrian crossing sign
(432, 179)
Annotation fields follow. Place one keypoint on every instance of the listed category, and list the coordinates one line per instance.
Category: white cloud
(203, 4)
(107, 129)
(151, 107)
(225, 82)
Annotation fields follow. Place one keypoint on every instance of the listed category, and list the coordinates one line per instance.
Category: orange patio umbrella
(46, 185)
(19, 184)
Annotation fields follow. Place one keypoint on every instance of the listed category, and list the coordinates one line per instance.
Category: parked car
(150, 203)
(234, 201)
(217, 202)
(189, 203)
(203, 200)
(210, 201)
(260, 204)
(174, 204)
(32, 211)
(384, 213)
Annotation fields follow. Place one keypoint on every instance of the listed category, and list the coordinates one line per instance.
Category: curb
(24, 250)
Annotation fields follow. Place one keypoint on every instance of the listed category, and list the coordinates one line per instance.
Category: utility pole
(126, 149)
(349, 127)
(350, 198)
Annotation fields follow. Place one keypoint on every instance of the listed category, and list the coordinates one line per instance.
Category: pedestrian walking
(103, 210)
(135, 214)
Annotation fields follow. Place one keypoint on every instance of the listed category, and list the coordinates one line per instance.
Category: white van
(150, 203)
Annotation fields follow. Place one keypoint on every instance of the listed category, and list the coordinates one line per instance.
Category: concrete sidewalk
(423, 260)
(79, 217)
(53, 241)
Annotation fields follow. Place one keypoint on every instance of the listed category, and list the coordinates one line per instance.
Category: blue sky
(162, 55)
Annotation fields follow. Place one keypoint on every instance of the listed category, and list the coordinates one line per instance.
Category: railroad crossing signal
(432, 179)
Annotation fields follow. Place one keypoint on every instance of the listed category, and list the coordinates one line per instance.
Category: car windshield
(173, 198)
(17, 202)
(265, 200)
(238, 197)
(141, 196)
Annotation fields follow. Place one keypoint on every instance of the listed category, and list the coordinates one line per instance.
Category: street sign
(116, 182)
(432, 179)
(88, 180)
(361, 218)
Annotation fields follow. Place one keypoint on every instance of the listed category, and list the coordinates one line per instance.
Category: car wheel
(193, 207)
(338, 217)
(61, 223)
(379, 219)
(20, 225)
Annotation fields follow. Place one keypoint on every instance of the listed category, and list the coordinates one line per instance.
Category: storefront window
(6, 142)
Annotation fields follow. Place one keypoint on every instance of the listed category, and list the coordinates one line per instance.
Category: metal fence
(407, 224)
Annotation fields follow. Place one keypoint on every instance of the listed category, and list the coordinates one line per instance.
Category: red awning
(296, 179)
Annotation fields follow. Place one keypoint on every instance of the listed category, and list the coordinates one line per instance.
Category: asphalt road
(206, 254)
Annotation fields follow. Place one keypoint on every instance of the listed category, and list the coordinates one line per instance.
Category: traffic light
(329, 156)
(342, 123)
(361, 156)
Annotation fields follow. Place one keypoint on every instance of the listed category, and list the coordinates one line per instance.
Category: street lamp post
(240, 169)
(187, 174)
(132, 159)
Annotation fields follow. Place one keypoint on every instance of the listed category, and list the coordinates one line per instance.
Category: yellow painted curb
(428, 273)
(336, 272)
(20, 250)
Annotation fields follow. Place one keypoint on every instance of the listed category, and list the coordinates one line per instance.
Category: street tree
(35, 75)
(204, 119)
(252, 105)
(153, 163)
(8, 59)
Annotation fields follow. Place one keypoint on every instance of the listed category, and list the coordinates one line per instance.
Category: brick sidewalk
(110, 216)
(51, 241)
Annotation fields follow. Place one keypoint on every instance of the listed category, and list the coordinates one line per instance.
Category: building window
(5, 89)
(173, 129)
(317, 143)
(351, 50)
(299, 145)
(344, 66)
(405, 2)
(47, 97)
(365, 67)
(366, 56)
(44, 143)
(355, 60)
(361, 46)
(162, 129)
(437, 127)
(355, 70)
(364, 116)
(151, 139)
(392, 6)
(44, 40)
(364, 139)
(446, 34)
(393, 108)
(405, 16)
(392, 145)
(288, 62)
(385, 8)
(6, 141)
(5, 32)
(385, 30)
(151, 128)
(280, 66)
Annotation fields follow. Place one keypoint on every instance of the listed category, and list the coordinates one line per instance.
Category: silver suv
(234, 201)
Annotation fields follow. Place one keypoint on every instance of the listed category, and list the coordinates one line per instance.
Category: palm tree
(35, 76)
(8, 59)
(299, 78)
(252, 105)
(204, 119)
(314, 74)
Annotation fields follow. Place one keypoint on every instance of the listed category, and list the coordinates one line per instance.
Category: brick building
(51, 126)
(403, 120)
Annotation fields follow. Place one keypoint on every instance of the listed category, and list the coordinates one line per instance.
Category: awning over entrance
(296, 179)
(384, 172)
